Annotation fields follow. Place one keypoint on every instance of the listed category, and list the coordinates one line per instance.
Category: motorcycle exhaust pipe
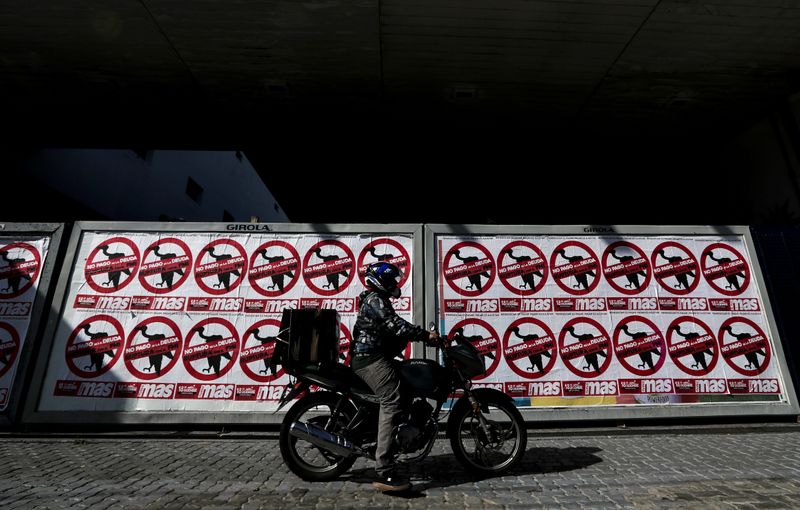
(319, 437)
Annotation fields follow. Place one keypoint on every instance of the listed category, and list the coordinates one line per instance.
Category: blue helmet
(384, 277)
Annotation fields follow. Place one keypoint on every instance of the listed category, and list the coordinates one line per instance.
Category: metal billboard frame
(18, 400)
(32, 415)
(639, 411)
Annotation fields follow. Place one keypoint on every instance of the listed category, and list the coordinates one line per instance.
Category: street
(735, 468)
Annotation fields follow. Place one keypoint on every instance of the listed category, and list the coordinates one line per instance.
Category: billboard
(570, 318)
(159, 320)
(26, 253)
(176, 323)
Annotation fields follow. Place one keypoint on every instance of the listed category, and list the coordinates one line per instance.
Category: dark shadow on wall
(19, 395)
(45, 346)
(779, 251)
(482, 176)
(27, 199)
(511, 178)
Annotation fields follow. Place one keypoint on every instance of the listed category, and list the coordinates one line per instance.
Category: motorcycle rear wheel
(304, 459)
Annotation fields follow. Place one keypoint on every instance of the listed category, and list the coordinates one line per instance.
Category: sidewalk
(735, 468)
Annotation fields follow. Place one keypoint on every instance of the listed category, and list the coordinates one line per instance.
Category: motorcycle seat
(334, 376)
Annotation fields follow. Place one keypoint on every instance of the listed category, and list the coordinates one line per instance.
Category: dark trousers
(385, 383)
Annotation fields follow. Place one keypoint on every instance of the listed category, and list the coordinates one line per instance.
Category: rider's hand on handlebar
(435, 340)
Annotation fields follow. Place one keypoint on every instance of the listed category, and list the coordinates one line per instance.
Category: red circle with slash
(401, 260)
(729, 270)
(18, 269)
(569, 270)
(114, 266)
(165, 266)
(593, 346)
(527, 348)
(629, 270)
(487, 345)
(681, 269)
(695, 346)
(213, 350)
(640, 345)
(472, 270)
(260, 350)
(106, 344)
(148, 348)
(522, 268)
(326, 270)
(9, 348)
(276, 269)
(345, 340)
(222, 270)
(745, 346)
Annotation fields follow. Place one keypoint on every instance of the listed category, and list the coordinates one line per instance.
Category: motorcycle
(327, 430)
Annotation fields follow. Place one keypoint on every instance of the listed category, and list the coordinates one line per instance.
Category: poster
(610, 319)
(21, 263)
(188, 321)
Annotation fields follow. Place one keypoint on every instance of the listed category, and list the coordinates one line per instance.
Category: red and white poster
(21, 262)
(611, 320)
(725, 269)
(522, 268)
(484, 338)
(112, 265)
(530, 348)
(468, 268)
(94, 346)
(258, 346)
(9, 347)
(220, 266)
(166, 265)
(675, 267)
(639, 346)
(274, 268)
(575, 268)
(153, 348)
(744, 346)
(626, 268)
(329, 267)
(169, 321)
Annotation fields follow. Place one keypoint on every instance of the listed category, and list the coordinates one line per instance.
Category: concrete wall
(148, 186)
(764, 163)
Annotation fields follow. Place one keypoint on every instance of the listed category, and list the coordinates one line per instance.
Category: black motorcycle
(326, 430)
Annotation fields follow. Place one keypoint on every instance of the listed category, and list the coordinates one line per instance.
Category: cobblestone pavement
(696, 470)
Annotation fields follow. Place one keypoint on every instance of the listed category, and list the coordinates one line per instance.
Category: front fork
(476, 409)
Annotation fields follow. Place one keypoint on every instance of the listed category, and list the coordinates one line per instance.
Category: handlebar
(443, 341)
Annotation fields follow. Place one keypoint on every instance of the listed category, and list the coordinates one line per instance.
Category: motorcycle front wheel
(492, 453)
(306, 460)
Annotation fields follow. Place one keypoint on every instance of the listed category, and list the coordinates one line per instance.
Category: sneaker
(391, 483)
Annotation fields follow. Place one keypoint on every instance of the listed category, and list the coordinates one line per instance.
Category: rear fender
(290, 392)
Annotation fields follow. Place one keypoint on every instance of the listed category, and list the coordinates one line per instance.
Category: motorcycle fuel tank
(423, 376)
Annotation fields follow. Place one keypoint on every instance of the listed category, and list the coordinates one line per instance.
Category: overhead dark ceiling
(509, 103)
(212, 70)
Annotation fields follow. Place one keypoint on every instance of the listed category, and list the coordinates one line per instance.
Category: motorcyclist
(379, 335)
